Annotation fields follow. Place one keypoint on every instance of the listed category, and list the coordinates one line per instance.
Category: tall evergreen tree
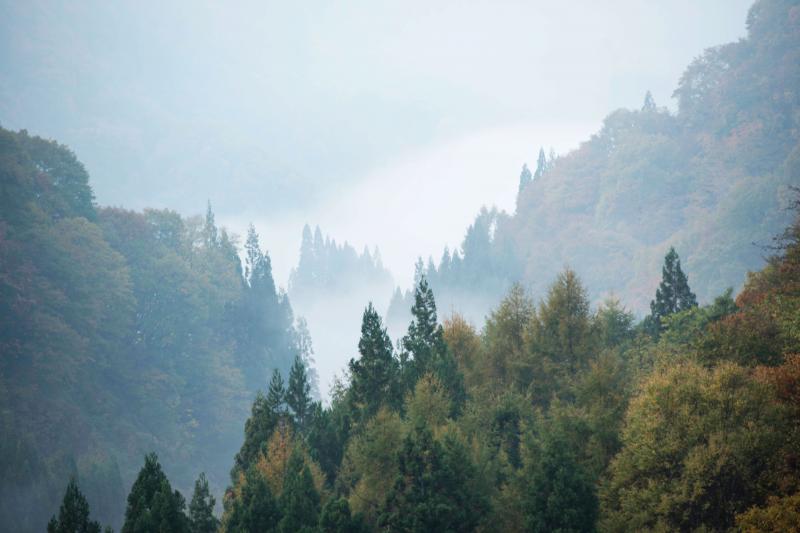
(255, 510)
(276, 394)
(152, 504)
(673, 294)
(374, 373)
(434, 490)
(425, 349)
(298, 394)
(73, 516)
(201, 508)
(257, 429)
(336, 518)
(299, 501)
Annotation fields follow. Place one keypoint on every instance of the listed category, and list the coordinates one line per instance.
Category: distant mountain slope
(712, 180)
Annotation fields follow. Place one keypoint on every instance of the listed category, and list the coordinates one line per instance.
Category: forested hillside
(711, 180)
(556, 416)
(121, 333)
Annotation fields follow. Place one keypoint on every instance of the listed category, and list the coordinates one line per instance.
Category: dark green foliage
(434, 489)
(276, 394)
(73, 516)
(257, 430)
(201, 508)
(559, 495)
(424, 349)
(152, 504)
(298, 394)
(336, 518)
(673, 294)
(299, 501)
(374, 374)
(256, 511)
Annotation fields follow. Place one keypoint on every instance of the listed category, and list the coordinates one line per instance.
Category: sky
(386, 123)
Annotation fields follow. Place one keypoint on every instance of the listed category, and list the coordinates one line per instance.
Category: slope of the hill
(712, 180)
(121, 333)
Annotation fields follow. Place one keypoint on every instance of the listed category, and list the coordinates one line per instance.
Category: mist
(368, 119)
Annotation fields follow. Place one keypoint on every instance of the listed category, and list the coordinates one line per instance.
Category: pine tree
(73, 516)
(152, 505)
(201, 508)
(673, 294)
(299, 501)
(374, 374)
(298, 393)
(276, 394)
(525, 177)
(541, 164)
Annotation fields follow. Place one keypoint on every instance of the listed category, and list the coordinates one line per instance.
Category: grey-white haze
(386, 123)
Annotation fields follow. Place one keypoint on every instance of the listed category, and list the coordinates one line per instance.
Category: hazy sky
(385, 123)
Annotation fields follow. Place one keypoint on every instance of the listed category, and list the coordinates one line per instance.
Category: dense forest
(154, 378)
(121, 333)
(711, 180)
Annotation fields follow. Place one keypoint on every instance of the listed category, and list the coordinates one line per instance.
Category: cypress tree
(73, 515)
(201, 508)
(210, 228)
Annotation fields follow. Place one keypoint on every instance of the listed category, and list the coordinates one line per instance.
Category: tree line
(552, 417)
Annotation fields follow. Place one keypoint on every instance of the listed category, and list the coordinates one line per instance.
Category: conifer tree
(276, 394)
(73, 516)
(255, 510)
(298, 393)
(374, 373)
(560, 496)
(152, 504)
(257, 429)
(673, 294)
(299, 501)
(201, 508)
(425, 349)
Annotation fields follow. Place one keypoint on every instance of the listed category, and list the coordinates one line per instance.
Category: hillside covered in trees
(121, 333)
(712, 180)
(554, 417)
(154, 378)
